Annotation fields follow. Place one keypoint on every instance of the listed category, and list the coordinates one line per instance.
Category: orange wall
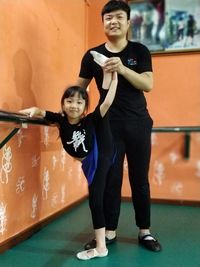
(174, 101)
(175, 98)
(41, 45)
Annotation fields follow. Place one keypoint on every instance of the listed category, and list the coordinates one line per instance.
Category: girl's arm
(110, 81)
(33, 111)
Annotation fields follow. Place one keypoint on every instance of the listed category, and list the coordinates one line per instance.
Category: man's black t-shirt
(129, 102)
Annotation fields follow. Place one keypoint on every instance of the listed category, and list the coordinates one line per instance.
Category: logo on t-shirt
(132, 61)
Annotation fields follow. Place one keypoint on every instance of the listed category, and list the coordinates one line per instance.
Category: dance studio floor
(56, 245)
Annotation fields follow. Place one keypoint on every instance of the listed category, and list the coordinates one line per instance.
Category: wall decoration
(166, 25)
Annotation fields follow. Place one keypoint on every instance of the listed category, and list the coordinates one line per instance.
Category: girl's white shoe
(91, 254)
(98, 57)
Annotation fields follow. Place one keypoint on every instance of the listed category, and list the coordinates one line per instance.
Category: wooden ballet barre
(23, 120)
(20, 120)
(182, 129)
(176, 129)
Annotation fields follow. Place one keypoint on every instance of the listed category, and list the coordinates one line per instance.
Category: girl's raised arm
(112, 88)
(110, 80)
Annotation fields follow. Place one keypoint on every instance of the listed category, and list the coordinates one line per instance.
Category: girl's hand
(98, 58)
(110, 67)
(31, 112)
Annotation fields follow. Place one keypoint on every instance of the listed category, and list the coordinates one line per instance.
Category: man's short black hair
(114, 5)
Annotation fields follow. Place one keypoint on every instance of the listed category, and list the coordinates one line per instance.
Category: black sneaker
(92, 243)
(151, 244)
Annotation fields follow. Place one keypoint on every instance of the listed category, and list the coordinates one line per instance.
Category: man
(130, 121)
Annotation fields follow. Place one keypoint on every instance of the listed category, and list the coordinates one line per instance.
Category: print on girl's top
(78, 139)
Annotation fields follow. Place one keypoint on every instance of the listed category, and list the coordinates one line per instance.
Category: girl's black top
(78, 139)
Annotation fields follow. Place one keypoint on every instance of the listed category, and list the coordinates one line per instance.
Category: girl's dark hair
(71, 91)
(114, 5)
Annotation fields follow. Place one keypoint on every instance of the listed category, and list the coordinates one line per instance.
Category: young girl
(88, 138)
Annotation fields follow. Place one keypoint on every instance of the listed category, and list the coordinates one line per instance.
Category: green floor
(56, 245)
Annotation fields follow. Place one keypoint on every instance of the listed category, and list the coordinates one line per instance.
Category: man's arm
(141, 81)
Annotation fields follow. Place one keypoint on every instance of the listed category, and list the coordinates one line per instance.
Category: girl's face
(74, 107)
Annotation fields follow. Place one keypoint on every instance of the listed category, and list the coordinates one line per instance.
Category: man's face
(116, 24)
